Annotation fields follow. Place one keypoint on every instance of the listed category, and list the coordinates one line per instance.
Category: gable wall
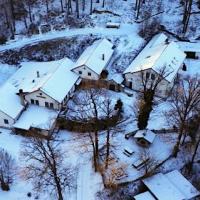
(42, 98)
(85, 70)
(136, 80)
(10, 120)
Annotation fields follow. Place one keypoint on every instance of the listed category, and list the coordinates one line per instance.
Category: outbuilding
(145, 137)
(160, 62)
(94, 60)
(191, 49)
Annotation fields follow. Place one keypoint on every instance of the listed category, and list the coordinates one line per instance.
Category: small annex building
(36, 119)
(10, 106)
(94, 60)
(191, 49)
(145, 137)
(160, 59)
(170, 186)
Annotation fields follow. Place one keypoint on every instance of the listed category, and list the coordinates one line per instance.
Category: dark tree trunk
(13, 15)
(6, 17)
(91, 6)
(103, 5)
(29, 12)
(61, 5)
(176, 148)
(83, 6)
(107, 148)
(77, 8)
(47, 6)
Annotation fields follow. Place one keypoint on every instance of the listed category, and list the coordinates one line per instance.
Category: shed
(191, 49)
(145, 137)
(36, 118)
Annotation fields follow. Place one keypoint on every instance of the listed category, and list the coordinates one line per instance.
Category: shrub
(3, 39)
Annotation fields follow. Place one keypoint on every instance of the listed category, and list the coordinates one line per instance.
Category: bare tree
(7, 170)
(150, 83)
(61, 5)
(96, 111)
(184, 102)
(68, 4)
(187, 14)
(149, 161)
(112, 121)
(77, 8)
(86, 107)
(91, 6)
(138, 5)
(45, 165)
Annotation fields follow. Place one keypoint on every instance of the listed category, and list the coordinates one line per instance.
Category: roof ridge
(166, 46)
(98, 43)
(53, 72)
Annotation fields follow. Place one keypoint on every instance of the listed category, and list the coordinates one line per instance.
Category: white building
(10, 106)
(158, 57)
(46, 84)
(94, 59)
(170, 186)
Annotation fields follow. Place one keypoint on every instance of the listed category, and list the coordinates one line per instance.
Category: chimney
(103, 56)
(38, 74)
(21, 96)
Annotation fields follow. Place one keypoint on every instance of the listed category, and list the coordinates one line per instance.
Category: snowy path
(88, 182)
(125, 29)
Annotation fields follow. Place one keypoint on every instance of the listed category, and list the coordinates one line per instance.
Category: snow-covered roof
(36, 117)
(182, 184)
(171, 186)
(54, 78)
(156, 55)
(10, 102)
(92, 57)
(144, 196)
(146, 134)
(189, 46)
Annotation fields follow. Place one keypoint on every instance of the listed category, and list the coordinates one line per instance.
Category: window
(37, 102)
(147, 75)
(51, 105)
(80, 72)
(47, 104)
(32, 101)
(6, 121)
(153, 76)
(41, 94)
(89, 74)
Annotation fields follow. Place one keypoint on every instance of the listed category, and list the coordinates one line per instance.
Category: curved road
(129, 30)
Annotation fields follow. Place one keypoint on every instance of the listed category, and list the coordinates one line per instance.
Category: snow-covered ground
(6, 71)
(129, 43)
(129, 30)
